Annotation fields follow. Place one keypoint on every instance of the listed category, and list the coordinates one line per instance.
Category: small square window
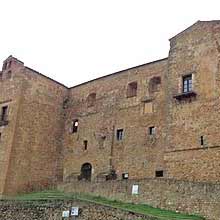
(187, 83)
(154, 84)
(125, 176)
(159, 173)
(152, 130)
(119, 134)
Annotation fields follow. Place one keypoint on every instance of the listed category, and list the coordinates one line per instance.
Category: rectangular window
(4, 113)
(75, 125)
(85, 142)
(201, 140)
(152, 130)
(119, 134)
(187, 83)
(159, 173)
(132, 89)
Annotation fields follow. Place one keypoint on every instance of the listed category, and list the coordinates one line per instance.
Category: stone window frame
(159, 173)
(119, 134)
(181, 82)
(132, 88)
(91, 99)
(4, 112)
(85, 145)
(152, 130)
(154, 84)
(4, 115)
(187, 83)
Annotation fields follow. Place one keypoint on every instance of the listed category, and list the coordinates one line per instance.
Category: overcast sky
(73, 41)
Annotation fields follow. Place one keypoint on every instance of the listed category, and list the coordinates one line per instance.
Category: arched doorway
(86, 171)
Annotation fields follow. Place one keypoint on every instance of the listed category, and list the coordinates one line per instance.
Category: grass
(137, 208)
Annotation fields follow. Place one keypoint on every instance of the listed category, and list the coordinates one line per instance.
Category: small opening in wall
(0, 136)
(159, 173)
(201, 140)
(152, 130)
(125, 176)
(4, 113)
(85, 142)
(75, 125)
(119, 134)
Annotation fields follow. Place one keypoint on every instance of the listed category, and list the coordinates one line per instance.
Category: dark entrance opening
(86, 171)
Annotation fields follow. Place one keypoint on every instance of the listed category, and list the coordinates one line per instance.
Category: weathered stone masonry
(160, 119)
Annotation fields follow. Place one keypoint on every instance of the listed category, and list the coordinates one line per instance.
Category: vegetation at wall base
(136, 208)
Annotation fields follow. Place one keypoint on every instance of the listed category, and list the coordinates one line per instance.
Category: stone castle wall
(164, 129)
(138, 153)
(32, 154)
(195, 51)
(183, 196)
(52, 210)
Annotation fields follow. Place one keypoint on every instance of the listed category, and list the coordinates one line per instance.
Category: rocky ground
(52, 210)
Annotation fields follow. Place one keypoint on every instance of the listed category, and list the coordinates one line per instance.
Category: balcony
(3, 120)
(185, 95)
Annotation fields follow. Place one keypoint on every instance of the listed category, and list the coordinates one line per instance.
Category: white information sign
(74, 211)
(135, 189)
(66, 214)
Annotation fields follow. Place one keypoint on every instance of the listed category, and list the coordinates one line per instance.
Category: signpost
(66, 214)
(135, 189)
(74, 212)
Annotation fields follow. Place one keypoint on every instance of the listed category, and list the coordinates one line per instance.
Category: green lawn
(138, 208)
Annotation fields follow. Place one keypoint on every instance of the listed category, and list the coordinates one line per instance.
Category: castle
(158, 120)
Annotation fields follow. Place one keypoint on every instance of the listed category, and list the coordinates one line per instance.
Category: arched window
(132, 89)
(91, 99)
(86, 171)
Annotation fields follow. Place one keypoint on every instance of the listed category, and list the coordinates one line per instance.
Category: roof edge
(177, 35)
(118, 72)
(101, 77)
(197, 22)
(47, 77)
